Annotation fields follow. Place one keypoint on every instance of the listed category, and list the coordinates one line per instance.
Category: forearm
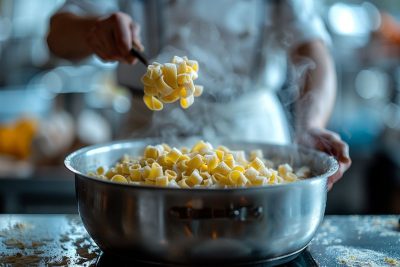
(318, 86)
(315, 104)
(67, 35)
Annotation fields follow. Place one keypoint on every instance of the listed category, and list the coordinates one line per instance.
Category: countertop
(60, 240)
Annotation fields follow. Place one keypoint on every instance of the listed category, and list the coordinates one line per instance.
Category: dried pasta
(170, 82)
(203, 166)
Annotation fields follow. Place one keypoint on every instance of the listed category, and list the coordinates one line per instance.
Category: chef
(249, 51)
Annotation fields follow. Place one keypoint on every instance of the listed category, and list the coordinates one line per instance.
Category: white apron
(256, 116)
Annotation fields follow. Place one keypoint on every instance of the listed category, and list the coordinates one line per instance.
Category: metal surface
(137, 221)
(45, 240)
(298, 259)
(61, 240)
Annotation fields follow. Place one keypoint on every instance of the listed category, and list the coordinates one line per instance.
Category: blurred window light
(92, 127)
(351, 19)
(121, 104)
(372, 84)
(391, 116)
(373, 14)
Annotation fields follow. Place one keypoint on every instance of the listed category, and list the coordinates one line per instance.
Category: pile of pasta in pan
(200, 166)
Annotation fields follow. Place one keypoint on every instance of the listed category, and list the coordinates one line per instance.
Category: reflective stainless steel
(201, 225)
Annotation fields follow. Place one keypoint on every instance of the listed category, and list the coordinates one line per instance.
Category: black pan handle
(246, 213)
(139, 55)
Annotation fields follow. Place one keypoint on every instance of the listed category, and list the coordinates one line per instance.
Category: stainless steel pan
(187, 226)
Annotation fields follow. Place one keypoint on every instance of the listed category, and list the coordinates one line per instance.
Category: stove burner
(303, 259)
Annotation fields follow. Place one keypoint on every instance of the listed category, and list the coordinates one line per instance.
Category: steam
(222, 78)
(296, 80)
(292, 90)
(227, 74)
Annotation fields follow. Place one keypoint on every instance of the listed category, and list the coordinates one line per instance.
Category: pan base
(298, 258)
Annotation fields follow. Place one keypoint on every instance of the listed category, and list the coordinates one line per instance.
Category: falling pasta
(169, 82)
(201, 166)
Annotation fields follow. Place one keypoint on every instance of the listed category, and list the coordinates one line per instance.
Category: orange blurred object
(16, 138)
(390, 28)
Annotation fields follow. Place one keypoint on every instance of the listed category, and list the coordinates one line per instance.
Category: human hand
(330, 143)
(112, 37)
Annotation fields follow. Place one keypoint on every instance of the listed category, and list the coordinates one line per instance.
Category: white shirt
(242, 49)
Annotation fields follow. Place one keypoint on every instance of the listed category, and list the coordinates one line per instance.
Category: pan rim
(128, 143)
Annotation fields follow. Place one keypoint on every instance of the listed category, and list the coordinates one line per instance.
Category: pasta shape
(170, 82)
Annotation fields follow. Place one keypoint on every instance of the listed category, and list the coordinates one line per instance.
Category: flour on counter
(355, 257)
(382, 226)
(328, 234)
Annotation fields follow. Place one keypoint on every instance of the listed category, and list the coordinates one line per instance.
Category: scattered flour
(328, 234)
(382, 226)
(355, 257)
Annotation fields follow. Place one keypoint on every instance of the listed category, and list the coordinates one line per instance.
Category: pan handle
(246, 213)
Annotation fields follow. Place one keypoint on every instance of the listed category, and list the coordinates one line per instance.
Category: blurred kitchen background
(46, 104)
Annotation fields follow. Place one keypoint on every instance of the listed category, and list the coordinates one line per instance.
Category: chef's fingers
(328, 142)
(334, 178)
(102, 55)
(106, 54)
(123, 36)
(136, 40)
(121, 30)
(338, 147)
(337, 176)
(331, 143)
(135, 34)
(95, 45)
(323, 144)
(329, 134)
(101, 43)
(120, 57)
(341, 150)
(317, 138)
(93, 41)
(109, 46)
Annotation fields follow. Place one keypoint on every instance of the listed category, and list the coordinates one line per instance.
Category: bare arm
(110, 38)
(315, 104)
(67, 35)
(318, 92)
